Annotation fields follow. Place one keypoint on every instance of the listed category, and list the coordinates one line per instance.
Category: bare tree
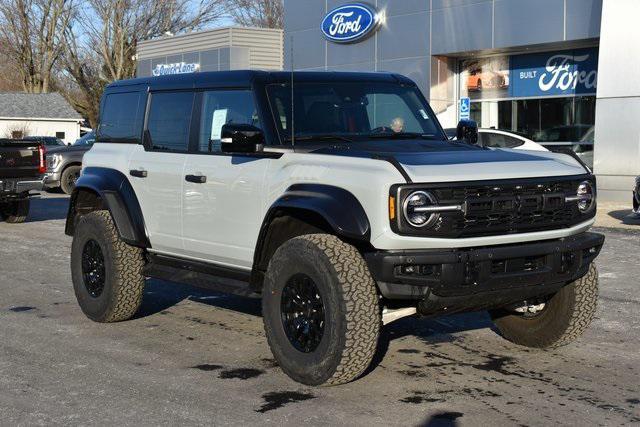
(102, 46)
(257, 13)
(31, 36)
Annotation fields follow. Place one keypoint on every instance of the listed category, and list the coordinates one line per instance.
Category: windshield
(88, 139)
(348, 111)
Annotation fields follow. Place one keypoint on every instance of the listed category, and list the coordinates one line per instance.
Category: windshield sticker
(217, 121)
(423, 114)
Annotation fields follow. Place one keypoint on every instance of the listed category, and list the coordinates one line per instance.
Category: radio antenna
(293, 128)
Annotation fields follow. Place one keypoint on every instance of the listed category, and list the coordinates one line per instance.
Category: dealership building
(535, 67)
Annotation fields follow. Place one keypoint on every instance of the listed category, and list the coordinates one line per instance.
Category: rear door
(223, 194)
(156, 168)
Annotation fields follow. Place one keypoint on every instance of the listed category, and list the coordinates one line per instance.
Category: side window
(495, 140)
(511, 142)
(121, 119)
(169, 120)
(221, 107)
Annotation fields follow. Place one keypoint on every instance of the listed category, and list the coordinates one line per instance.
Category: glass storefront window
(538, 95)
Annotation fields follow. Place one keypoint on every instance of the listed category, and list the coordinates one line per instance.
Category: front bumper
(52, 179)
(460, 279)
(13, 187)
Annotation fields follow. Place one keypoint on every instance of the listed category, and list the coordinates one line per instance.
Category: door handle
(198, 179)
(138, 173)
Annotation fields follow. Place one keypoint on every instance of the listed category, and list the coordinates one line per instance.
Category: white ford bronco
(336, 198)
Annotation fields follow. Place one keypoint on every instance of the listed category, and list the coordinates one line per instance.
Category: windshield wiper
(327, 137)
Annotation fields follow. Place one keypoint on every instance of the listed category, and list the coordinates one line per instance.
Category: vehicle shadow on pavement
(626, 216)
(160, 295)
(47, 209)
(430, 331)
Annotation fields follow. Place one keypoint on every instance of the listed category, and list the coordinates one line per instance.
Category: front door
(223, 198)
(157, 168)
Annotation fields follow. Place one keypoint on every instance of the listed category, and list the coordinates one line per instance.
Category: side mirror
(241, 138)
(467, 131)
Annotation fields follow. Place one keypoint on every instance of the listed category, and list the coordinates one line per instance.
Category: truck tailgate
(20, 159)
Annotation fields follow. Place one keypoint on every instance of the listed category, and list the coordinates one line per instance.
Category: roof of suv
(246, 77)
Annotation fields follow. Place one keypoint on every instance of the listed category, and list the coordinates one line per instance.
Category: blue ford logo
(349, 23)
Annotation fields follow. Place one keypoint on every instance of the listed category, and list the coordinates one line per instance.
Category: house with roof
(38, 114)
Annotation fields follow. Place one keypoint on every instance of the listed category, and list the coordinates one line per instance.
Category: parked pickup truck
(339, 202)
(22, 167)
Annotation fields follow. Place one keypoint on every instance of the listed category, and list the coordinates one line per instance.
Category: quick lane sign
(350, 23)
(571, 72)
(177, 68)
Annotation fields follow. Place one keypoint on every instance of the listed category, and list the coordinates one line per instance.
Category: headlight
(53, 161)
(419, 209)
(586, 196)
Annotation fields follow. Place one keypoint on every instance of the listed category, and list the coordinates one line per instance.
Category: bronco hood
(439, 161)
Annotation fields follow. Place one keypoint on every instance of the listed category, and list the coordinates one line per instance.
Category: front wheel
(555, 321)
(15, 211)
(320, 309)
(68, 179)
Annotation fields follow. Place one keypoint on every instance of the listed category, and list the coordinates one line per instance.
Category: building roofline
(43, 119)
(210, 30)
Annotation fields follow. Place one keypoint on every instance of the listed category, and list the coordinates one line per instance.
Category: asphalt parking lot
(195, 357)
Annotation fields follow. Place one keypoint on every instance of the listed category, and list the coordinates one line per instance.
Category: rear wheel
(68, 178)
(320, 309)
(15, 211)
(554, 321)
(106, 272)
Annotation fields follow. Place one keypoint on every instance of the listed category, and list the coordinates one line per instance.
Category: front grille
(501, 207)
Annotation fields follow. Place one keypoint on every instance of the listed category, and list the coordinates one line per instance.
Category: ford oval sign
(349, 23)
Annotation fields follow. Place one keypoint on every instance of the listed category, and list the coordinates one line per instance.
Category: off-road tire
(65, 183)
(566, 316)
(124, 281)
(16, 211)
(350, 299)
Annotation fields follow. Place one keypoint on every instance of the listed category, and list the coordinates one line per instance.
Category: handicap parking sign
(465, 108)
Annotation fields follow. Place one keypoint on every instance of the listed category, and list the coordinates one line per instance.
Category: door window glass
(499, 140)
(121, 119)
(223, 107)
(169, 120)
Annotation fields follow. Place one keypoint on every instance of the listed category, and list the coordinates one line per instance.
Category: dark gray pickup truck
(22, 168)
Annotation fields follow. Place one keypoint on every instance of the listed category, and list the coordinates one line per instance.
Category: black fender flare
(117, 196)
(338, 207)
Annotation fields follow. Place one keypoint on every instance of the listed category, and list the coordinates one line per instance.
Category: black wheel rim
(71, 180)
(302, 312)
(93, 268)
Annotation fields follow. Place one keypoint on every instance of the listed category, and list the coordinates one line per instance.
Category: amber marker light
(392, 207)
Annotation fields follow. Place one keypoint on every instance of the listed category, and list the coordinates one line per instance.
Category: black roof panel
(247, 77)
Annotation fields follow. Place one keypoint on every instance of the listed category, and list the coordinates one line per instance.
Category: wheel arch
(103, 188)
(308, 209)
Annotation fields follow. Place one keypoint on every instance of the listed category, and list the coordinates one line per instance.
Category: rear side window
(169, 120)
(121, 119)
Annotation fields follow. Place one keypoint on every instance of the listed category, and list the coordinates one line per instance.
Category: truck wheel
(106, 272)
(15, 211)
(320, 309)
(68, 179)
(563, 318)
